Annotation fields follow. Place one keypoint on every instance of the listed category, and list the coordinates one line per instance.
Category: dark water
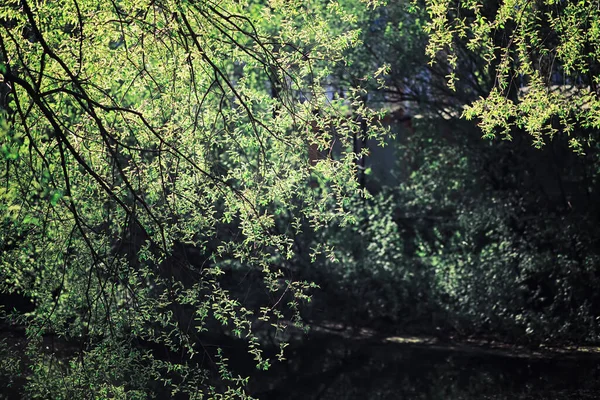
(331, 367)
(335, 368)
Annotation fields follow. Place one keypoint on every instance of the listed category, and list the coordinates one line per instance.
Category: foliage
(544, 55)
(148, 150)
(463, 238)
(474, 240)
(368, 279)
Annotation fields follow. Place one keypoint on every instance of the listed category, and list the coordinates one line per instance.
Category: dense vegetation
(466, 236)
(185, 184)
